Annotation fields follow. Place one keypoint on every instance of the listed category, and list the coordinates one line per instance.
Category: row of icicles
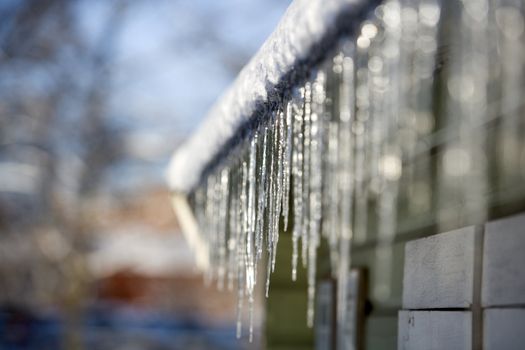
(342, 138)
(244, 205)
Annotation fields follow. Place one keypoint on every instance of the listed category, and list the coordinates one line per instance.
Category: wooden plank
(504, 329)
(421, 330)
(503, 282)
(439, 270)
(190, 229)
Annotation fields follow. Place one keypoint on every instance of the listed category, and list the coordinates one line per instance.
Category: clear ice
(340, 142)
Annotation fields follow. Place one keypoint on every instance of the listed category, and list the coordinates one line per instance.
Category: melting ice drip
(342, 141)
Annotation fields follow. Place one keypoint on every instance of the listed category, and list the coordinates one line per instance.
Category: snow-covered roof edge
(304, 25)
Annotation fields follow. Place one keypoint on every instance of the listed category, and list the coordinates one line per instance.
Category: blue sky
(171, 56)
(172, 60)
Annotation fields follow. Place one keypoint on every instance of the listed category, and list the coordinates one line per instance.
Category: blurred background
(94, 97)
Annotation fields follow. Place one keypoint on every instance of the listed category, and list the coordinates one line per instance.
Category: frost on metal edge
(303, 24)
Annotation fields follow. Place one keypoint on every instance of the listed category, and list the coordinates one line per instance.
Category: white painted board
(439, 270)
(432, 330)
(503, 282)
(504, 329)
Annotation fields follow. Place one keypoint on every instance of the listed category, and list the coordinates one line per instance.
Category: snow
(303, 25)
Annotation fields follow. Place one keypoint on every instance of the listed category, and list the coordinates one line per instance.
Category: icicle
(250, 225)
(511, 56)
(250, 311)
(389, 99)
(232, 240)
(315, 150)
(273, 149)
(240, 296)
(245, 226)
(216, 227)
(250, 234)
(241, 253)
(222, 225)
(331, 193)
(287, 164)
(419, 25)
(340, 145)
(268, 274)
(297, 172)
(280, 143)
(363, 145)
(306, 173)
(262, 195)
(345, 181)
(208, 226)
